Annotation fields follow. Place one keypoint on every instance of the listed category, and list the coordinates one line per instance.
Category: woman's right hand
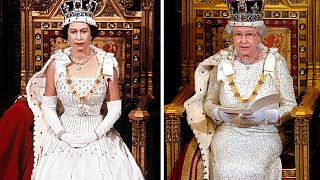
(222, 116)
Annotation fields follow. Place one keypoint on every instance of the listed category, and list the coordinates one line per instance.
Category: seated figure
(240, 145)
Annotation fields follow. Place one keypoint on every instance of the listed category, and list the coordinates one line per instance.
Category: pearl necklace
(80, 63)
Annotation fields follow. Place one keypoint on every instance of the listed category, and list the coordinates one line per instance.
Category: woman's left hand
(270, 116)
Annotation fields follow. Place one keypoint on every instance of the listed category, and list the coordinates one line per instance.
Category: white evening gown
(105, 159)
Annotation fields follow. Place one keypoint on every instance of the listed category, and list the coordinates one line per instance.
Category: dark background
(172, 50)
(9, 52)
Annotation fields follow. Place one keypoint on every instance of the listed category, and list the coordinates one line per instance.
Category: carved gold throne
(290, 25)
(127, 33)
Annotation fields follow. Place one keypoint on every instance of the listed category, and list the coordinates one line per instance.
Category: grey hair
(262, 29)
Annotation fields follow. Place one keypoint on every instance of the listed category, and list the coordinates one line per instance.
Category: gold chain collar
(254, 93)
(94, 86)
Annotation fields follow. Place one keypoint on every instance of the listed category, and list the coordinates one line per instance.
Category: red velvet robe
(16, 138)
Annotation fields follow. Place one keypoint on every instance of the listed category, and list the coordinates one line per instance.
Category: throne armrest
(184, 94)
(173, 114)
(302, 115)
(305, 108)
(138, 117)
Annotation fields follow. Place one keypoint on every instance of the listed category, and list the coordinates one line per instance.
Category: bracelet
(60, 134)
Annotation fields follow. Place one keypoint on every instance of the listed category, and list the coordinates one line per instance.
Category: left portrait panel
(80, 89)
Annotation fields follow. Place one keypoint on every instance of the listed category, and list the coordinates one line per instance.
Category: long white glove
(114, 112)
(269, 116)
(48, 106)
(222, 116)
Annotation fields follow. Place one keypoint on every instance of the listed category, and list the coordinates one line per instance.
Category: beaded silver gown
(250, 152)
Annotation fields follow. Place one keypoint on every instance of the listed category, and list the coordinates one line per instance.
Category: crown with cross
(78, 11)
(245, 12)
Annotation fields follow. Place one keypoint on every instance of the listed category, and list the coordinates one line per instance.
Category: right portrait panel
(241, 89)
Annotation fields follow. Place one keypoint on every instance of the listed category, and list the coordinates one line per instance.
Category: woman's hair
(93, 29)
(262, 29)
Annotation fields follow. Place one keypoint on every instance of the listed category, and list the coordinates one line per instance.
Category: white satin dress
(105, 159)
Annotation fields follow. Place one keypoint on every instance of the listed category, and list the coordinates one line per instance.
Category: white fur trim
(253, 24)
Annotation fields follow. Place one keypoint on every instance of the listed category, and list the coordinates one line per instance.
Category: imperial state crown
(245, 12)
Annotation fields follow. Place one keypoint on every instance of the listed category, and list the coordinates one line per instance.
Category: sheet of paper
(258, 104)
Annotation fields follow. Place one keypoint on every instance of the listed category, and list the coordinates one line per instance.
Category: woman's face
(79, 36)
(245, 40)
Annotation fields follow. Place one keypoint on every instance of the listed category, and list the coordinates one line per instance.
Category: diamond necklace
(80, 63)
(249, 63)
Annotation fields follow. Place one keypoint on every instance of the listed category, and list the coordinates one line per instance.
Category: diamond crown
(78, 8)
(245, 10)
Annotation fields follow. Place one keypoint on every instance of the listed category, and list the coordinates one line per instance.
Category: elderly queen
(235, 145)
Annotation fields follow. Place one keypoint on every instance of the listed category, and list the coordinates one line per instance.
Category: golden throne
(291, 24)
(127, 33)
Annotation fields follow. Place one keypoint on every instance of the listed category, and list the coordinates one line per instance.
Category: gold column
(26, 43)
(138, 119)
(301, 142)
(173, 114)
(302, 114)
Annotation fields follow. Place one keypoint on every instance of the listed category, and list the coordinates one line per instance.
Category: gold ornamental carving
(138, 119)
(147, 4)
(125, 3)
(288, 173)
(173, 115)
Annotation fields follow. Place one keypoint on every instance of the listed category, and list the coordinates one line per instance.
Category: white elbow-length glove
(267, 116)
(49, 104)
(114, 112)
